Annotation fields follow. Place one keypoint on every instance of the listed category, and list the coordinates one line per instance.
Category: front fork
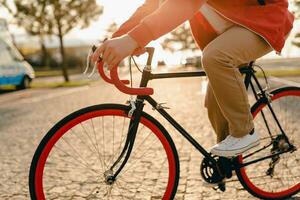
(110, 175)
(135, 116)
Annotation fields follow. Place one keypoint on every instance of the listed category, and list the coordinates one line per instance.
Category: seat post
(248, 70)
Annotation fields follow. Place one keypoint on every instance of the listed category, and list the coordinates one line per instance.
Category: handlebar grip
(131, 91)
(100, 66)
(120, 84)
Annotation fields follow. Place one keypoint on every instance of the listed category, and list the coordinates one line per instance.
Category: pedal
(226, 166)
(221, 186)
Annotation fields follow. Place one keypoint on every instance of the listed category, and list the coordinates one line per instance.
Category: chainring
(210, 172)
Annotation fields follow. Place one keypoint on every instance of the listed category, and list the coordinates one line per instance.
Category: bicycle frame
(139, 103)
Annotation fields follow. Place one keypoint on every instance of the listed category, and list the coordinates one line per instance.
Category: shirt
(218, 23)
(272, 21)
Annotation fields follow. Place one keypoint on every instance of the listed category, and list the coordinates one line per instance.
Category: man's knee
(208, 57)
(213, 57)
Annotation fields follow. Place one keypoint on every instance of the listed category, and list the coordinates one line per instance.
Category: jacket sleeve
(146, 9)
(167, 17)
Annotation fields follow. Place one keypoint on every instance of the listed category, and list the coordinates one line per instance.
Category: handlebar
(120, 84)
(100, 66)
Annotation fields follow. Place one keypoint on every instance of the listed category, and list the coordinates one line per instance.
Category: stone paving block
(22, 126)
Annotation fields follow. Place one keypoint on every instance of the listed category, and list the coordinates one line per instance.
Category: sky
(114, 11)
(118, 11)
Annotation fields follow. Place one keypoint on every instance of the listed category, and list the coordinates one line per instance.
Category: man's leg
(221, 59)
(216, 118)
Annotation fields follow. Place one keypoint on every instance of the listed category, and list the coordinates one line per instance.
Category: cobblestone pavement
(24, 121)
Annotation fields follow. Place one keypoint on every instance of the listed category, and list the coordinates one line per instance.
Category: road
(27, 115)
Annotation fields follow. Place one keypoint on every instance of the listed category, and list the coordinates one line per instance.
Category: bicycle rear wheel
(260, 178)
(73, 157)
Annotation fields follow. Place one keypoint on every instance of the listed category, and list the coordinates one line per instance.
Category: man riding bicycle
(230, 33)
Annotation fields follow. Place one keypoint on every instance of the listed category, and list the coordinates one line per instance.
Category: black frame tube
(177, 75)
(147, 75)
(133, 125)
(263, 93)
(261, 159)
(179, 128)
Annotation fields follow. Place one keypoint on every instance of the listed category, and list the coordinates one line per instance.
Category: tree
(63, 15)
(180, 39)
(55, 17)
(113, 27)
(296, 3)
(30, 16)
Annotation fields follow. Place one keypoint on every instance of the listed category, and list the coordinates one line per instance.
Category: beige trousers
(226, 98)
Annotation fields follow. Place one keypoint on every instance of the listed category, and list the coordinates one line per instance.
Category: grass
(49, 73)
(273, 72)
(7, 87)
(61, 84)
(50, 85)
(280, 72)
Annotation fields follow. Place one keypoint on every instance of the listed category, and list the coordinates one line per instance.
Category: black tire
(256, 178)
(24, 84)
(51, 165)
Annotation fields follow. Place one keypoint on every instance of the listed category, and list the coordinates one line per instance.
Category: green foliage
(64, 15)
(113, 27)
(180, 39)
(53, 17)
(296, 4)
(29, 15)
(296, 42)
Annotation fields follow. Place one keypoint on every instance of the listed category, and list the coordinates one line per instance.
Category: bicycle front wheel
(73, 158)
(277, 177)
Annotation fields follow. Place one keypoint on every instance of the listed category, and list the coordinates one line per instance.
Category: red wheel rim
(243, 172)
(43, 157)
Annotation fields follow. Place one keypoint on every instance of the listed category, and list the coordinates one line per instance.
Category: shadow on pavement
(6, 91)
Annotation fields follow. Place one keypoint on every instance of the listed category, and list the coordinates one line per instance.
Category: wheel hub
(109, 177)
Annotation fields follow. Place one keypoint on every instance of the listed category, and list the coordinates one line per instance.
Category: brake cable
(264, 74)
(130, 71)
(136, 65)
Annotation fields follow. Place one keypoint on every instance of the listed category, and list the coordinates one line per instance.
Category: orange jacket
(272, 21)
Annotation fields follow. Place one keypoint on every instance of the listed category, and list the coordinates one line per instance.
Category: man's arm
(146, 9)
(166, 18)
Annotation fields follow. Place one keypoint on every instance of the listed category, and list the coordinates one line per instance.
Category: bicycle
(125, 153)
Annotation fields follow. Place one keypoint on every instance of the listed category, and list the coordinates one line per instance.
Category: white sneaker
(233, 146)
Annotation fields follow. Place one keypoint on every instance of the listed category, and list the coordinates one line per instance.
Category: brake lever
(92, 50)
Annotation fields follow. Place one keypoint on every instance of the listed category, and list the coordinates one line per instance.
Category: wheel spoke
(78, 162)
(286, 172)
(96, 144)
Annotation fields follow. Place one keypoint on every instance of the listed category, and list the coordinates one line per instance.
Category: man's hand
(113, 51)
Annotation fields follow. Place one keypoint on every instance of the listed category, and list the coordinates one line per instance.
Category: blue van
(14, 70)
